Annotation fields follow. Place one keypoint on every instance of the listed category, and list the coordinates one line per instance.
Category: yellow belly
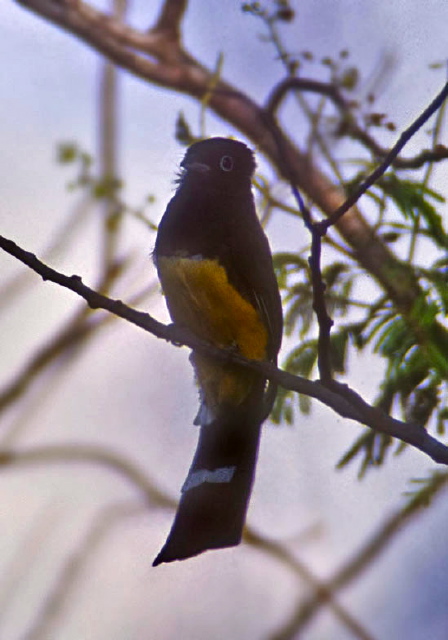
(200, 297)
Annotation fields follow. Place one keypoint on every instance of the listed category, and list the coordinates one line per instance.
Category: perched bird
(215, 268)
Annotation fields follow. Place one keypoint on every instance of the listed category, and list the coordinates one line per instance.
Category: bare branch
(350, 126)
(15, 575)
(388, 160)
(339, 397)
(320, 309)
(424, 337)
(75, 333)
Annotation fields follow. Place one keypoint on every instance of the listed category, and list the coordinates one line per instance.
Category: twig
(388, 160)
(15, 574)
(75, 333)
(66, 233)
(320, 308)
(108, 154)
(324, 321)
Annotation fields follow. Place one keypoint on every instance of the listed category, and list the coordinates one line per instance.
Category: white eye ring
(226, 163)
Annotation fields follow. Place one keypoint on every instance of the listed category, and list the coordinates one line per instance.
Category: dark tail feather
(215, 496)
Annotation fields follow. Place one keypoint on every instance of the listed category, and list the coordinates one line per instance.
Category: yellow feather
(200, 297)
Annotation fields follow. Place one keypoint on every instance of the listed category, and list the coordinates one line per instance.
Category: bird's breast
(200, 297)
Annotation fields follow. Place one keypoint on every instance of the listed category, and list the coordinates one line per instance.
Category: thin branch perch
(343, 400)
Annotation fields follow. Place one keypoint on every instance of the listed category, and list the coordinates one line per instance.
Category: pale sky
(119, 393)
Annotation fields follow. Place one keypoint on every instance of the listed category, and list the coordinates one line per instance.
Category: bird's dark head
(219, 163)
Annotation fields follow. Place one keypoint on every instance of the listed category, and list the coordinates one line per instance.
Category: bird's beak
(198, 167)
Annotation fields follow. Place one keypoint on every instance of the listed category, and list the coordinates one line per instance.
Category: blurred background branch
(83, 377)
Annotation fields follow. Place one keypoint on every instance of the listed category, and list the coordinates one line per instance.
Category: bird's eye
(226, 163)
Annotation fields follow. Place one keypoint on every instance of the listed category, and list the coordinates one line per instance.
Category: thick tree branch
(162, 61)
(343, 400)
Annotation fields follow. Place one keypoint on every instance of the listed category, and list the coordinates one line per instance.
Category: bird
(216, 272)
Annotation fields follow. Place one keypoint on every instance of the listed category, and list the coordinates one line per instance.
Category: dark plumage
(215, 267)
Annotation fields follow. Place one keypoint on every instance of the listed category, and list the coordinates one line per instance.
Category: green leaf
(439, 279)
(427, 489)
(282, 410)
(304, 404)
(183, 133)
(67, 152)
(413, 200)
(338, 345)
(302, 359)
(349, 78)
(372, 447)
(106, 187)
(420, 404)
(442, 417)
(394, 339)
(288, 259)
(299, 310)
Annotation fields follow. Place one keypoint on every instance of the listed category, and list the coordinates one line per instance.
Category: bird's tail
(215, 495)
